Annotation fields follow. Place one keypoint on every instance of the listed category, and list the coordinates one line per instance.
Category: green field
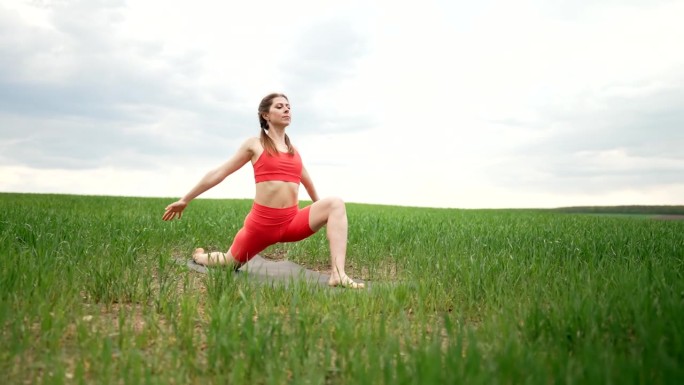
(89, 293)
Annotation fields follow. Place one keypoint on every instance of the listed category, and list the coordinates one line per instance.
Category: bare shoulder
(252, 145)
(253, 140)
(252, 148)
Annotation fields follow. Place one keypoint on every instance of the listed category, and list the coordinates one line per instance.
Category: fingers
(173, 210)
(170, 214)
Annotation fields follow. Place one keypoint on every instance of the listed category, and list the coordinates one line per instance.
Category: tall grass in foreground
(89, 293)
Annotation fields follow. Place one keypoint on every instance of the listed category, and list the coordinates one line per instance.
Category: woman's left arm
(308, 185)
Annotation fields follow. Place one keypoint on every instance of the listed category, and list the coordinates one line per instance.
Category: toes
(199, 251)
(347, 283)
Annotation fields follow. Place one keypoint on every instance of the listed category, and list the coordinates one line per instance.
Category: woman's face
(279, 113)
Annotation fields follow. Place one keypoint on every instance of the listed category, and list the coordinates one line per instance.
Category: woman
(275, 215)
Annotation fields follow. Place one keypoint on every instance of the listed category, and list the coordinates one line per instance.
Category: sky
(436, 103)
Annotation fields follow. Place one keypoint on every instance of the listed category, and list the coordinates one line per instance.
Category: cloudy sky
(437, 103)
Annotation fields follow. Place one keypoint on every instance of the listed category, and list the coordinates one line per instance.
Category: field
(89, 293)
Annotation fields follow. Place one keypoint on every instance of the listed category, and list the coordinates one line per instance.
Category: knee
(336, 204)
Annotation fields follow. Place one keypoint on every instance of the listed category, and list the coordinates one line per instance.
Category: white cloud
(461, 104)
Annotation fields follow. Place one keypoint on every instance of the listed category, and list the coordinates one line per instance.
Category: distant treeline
(652, 210)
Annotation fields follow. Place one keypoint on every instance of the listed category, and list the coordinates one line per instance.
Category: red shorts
(265, 226)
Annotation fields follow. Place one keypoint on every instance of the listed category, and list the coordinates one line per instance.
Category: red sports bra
(281, 166)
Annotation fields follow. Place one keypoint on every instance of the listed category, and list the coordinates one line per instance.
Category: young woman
(275, 215)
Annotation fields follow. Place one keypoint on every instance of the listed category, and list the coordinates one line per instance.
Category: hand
(174, 209)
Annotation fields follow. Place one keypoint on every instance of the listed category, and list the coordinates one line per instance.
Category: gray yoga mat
(265, 270)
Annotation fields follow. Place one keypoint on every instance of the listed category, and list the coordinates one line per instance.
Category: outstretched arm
(211, 179)
(308, 185)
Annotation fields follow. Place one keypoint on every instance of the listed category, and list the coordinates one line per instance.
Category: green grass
(625, 210)
(89, 294)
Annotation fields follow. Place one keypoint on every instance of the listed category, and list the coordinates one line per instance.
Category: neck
(277, 134)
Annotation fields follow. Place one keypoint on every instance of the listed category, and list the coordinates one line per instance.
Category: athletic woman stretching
(275, 215)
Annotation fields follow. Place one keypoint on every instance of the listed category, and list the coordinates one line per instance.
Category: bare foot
(200, 257)
(345, 282)
(213, 259)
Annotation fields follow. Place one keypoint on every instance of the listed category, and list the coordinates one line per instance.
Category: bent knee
(336, 203)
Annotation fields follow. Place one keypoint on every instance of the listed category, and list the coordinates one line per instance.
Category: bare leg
(214, 258)
(333, 213)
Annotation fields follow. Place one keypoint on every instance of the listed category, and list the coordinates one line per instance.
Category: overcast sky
(439, 103)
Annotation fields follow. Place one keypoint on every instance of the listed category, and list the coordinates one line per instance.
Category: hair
(266, 140)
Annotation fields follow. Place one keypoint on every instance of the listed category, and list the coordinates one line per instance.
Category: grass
(89, 293)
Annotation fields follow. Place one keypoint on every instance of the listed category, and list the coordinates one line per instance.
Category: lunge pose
(275, 215)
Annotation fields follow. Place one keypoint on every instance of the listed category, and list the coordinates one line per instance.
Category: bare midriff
(277, 194)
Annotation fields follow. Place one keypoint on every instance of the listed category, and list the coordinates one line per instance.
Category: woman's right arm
(212, 178)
